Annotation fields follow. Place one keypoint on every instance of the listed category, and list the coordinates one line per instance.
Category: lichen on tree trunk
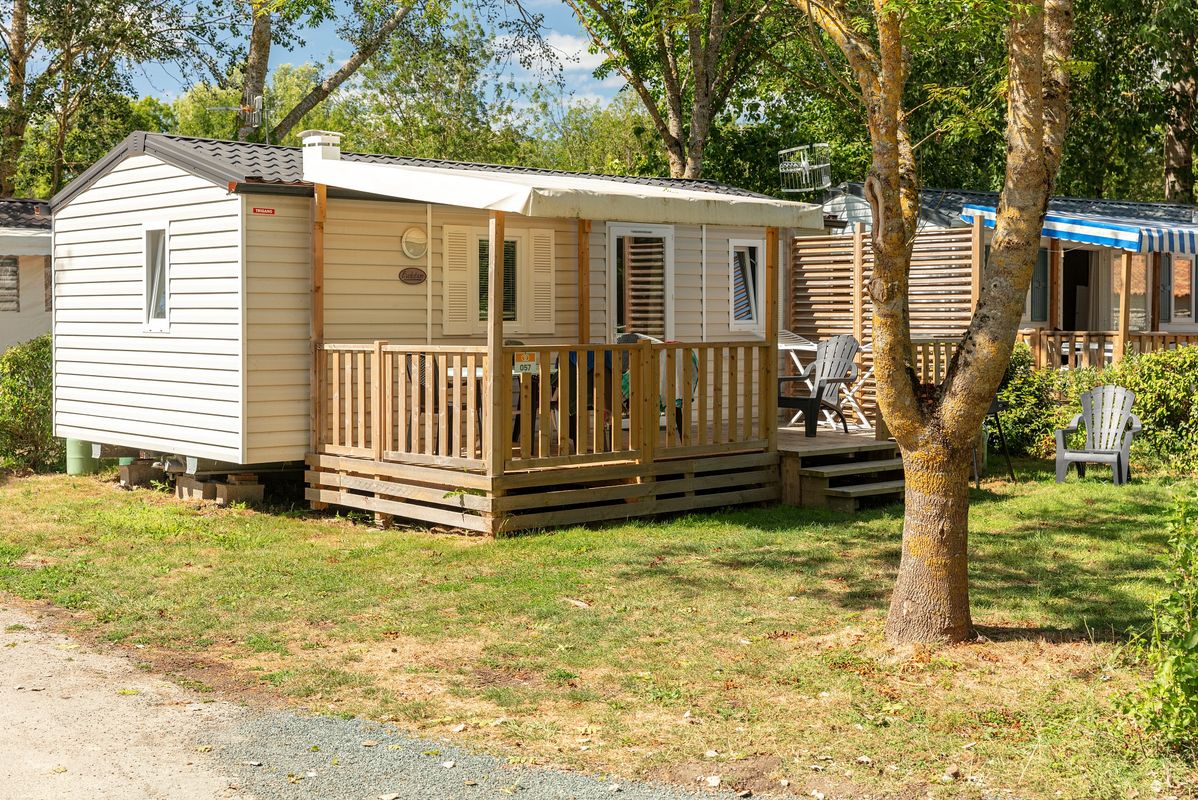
(931, 597)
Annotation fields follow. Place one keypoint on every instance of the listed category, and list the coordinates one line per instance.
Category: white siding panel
(278, 293)
(176, 392)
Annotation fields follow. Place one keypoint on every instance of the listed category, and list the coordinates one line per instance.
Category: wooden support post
(380, 423)
(1124, 307)
(584, 281)
(978, 256)
(498, 374)
(316, 329)
(769, 398)
(859, 282)
(1056, 269)
(1153, 265)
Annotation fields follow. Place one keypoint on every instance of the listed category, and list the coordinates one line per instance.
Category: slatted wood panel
(829, 292)
(823, 290)
(542, 498)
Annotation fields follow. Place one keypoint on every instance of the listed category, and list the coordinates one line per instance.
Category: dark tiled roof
(223, 161)
(943, 206)
(17, 212)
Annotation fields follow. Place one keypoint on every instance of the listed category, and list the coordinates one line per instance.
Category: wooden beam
(316, 326)
(769, 399)
(859, 281)
(1153, 287)
(584, 281)
(1124, 307)
(1056, 269)
(978, 255)
(495, 384)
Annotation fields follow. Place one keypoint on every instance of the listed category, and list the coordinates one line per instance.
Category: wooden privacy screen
(828, 294)
(830, 276)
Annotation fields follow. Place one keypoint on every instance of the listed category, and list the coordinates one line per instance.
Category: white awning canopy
(24, 242)
(553, 196)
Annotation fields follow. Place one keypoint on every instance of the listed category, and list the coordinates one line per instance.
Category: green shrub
(1166, 387)
(1037, 402)
(1167, 706)
(26, 408)
(1030, 405)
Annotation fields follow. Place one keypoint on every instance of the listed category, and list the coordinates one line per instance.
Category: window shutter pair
(461, 285)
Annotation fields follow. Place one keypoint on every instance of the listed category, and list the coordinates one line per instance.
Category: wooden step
(866, 489)
(852, 468)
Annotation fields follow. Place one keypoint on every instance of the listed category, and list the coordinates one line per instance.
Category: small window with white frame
(157, 278)
(1178, 303)
(746, 289)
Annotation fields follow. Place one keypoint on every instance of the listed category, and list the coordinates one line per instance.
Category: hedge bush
(1037, 402)
(26, 408)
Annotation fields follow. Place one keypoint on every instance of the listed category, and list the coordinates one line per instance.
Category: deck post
(769, 398)
(495, 383)
(316, 329)
(584, 281)
(1056, 267)
(1124, 308)
(858, 281)
(977, 257)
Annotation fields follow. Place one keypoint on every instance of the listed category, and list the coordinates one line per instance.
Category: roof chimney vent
(321, 146)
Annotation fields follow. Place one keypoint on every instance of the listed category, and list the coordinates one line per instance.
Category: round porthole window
(414, 242)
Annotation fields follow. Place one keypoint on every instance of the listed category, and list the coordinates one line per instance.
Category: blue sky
(563, 34)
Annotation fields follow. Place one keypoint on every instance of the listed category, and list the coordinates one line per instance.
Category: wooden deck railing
(1078, 349)
(564, 405)
(416, 404)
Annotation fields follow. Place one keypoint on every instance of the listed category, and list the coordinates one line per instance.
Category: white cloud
(572, 51)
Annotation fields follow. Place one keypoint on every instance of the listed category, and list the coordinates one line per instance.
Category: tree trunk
(257, 62)
(931, 597)
(16, 114)
(1179, 143)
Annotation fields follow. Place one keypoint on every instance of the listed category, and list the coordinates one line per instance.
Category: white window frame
(757, 300)
(1192, 322)
(524, 284)
(150, 325)
(614, 231)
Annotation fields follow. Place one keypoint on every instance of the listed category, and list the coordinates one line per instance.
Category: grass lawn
(745, 644)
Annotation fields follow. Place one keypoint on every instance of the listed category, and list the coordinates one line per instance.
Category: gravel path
(74, 722)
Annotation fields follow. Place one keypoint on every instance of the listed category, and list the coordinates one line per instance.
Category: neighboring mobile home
(24, 270)
(1112, 274)
(251, 304)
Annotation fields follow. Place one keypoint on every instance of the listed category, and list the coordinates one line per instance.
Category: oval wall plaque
(413, 276)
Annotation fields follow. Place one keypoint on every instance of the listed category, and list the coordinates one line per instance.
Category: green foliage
(1029, 411)
(1166, 386)
(1167, 706)
(26, 407)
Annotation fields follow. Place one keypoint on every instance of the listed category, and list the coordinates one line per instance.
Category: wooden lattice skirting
(542, 498)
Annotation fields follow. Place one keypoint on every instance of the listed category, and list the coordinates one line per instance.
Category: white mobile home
(255, 304)
(24, 270)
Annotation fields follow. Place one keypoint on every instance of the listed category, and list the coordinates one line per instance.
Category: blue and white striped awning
(1133, 235)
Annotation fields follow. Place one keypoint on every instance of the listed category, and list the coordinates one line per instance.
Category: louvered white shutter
(541, 288)
(456, 316)
(10, 283)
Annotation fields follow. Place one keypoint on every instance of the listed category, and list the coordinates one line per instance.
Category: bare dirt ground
(79, 722)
